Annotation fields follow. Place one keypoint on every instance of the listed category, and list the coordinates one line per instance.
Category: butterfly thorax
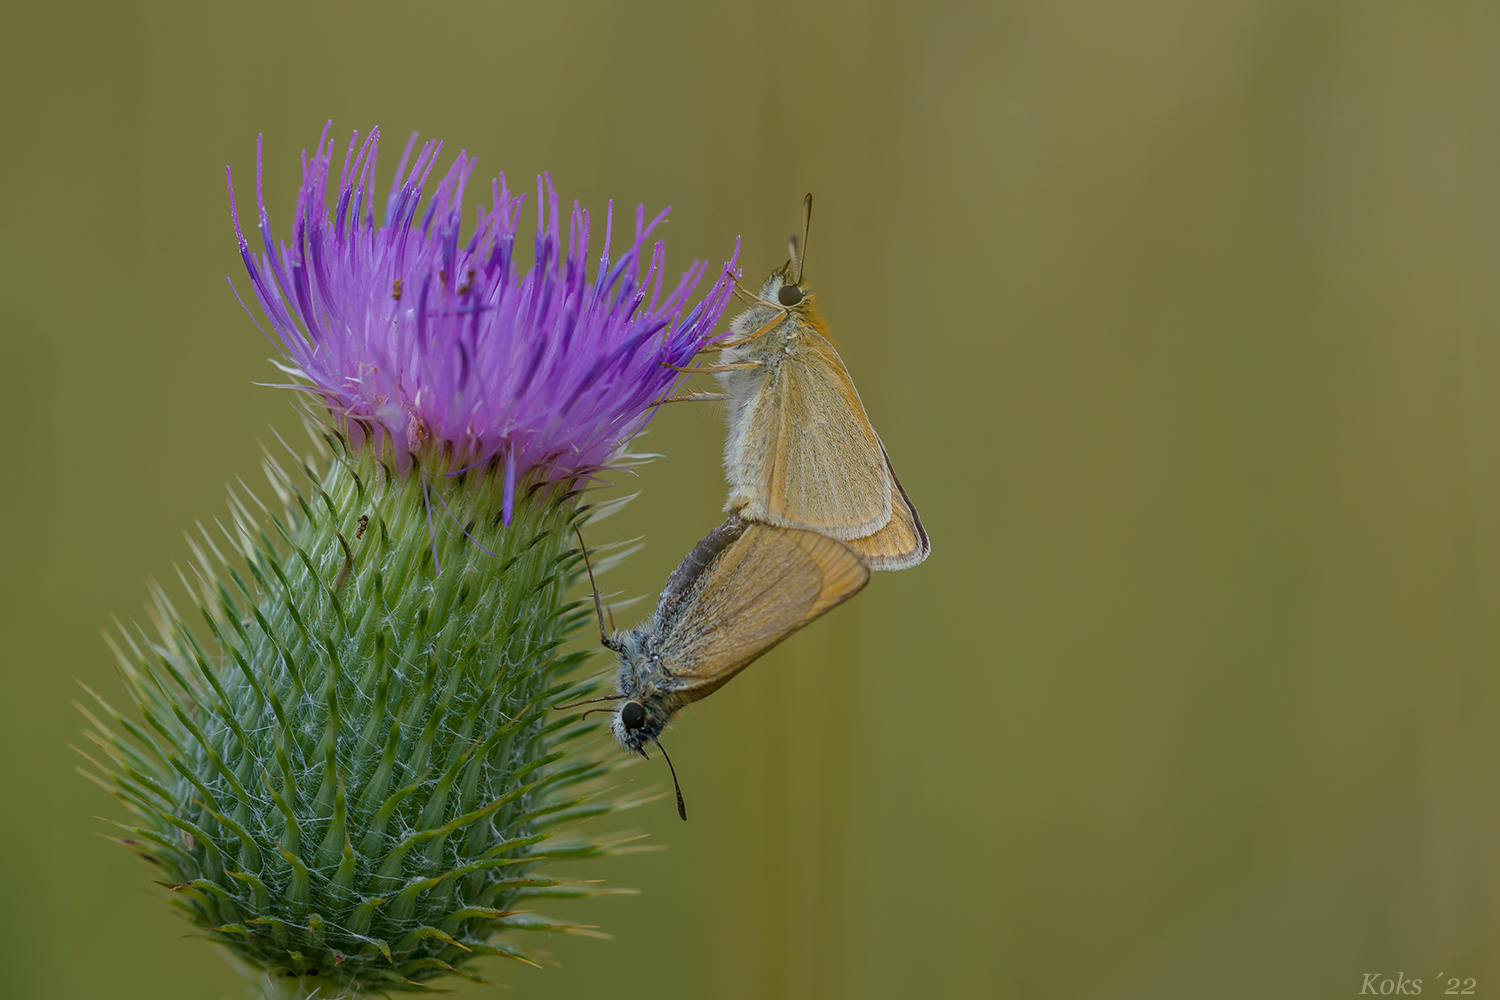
(646, 683)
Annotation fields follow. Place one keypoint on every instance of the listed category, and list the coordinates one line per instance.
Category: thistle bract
(345, 763)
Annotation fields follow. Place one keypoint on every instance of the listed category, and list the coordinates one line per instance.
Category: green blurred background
(1179, 320)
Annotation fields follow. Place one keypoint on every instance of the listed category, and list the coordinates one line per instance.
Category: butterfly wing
(759, 589)
(806, 455)
(902, 543)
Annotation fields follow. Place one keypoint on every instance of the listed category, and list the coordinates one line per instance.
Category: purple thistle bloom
(417, 341)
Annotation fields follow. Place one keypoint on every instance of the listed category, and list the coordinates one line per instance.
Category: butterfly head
(634, 726)
(783, 290)
(642, 716)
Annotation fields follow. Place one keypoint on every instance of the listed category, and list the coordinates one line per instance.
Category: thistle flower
(419, 340)
(350, 774)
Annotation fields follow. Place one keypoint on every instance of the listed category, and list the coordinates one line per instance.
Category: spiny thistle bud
(345, 765)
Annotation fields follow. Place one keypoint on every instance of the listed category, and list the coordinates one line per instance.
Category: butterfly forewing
(765, 585)
(811, 459)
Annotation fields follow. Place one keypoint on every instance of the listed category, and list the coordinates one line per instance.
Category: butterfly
(740, 591)
(800, 451)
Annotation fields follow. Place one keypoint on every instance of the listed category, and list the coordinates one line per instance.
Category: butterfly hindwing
(902, 543)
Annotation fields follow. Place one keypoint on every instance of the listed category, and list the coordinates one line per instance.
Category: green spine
(350, 773)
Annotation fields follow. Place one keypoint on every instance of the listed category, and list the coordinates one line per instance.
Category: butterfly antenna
(681, 806)
(800, 259)
(598, 604)
(588, 701)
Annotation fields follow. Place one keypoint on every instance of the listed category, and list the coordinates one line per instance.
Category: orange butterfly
(801, 452)
(740, 591)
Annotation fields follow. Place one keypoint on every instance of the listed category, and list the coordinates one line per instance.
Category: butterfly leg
(736, 342)
(716, 368)
(692, 397)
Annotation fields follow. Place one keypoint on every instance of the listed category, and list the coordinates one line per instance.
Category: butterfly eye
(789, 295)
(633, 715)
